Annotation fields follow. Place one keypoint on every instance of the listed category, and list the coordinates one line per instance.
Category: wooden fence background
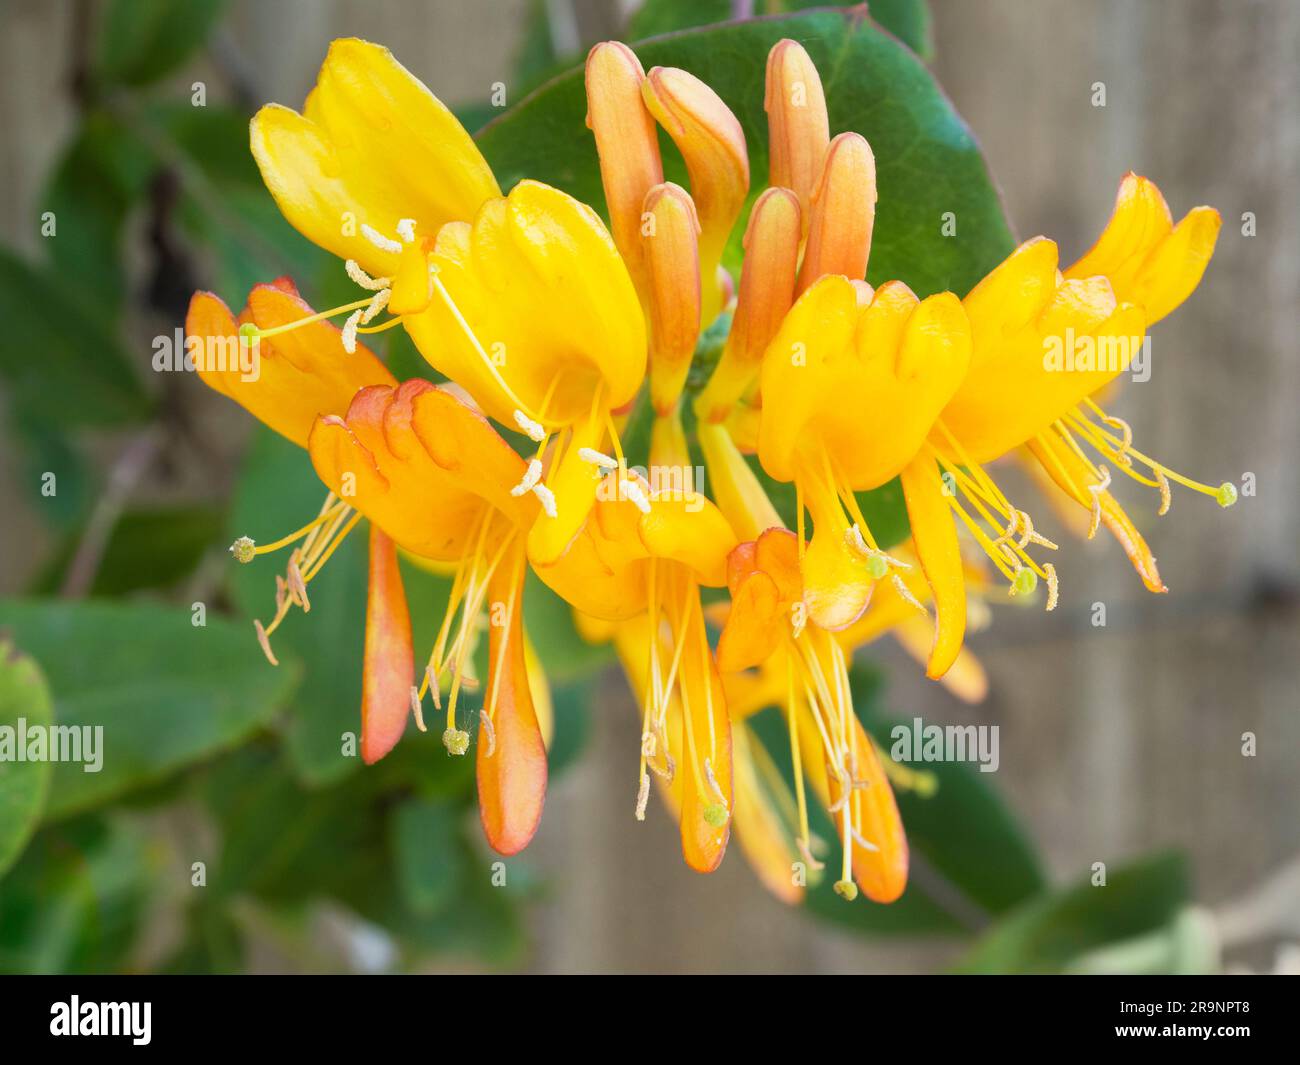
(1115, 740)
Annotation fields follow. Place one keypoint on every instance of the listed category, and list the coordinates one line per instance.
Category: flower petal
(512, 778)
(934, 534)
(373, 147)
(389, 657)
(287, 380)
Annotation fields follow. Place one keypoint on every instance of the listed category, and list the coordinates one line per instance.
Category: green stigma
(715, 814)
(846, 889)
(1025, 583)
(242, 549)
(456, 741)
(877, 567)
(1227, 494)
(249, 331)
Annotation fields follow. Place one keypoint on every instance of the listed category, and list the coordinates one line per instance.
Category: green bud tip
(846, 889)
(1227, 494)
(456, 741)
(716, 814)
(877, 567)
(1025, 583)
(249, 331)
(242, 549)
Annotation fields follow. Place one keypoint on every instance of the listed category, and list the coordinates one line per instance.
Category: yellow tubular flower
(1044, 343)
(372, 147)
(639, 561)
(627, 143)
(766, 620)
(492, 326)
(901, 359)
(436, 477)
(713, 145)
(798, 129)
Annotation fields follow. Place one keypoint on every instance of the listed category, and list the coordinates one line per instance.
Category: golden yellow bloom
(639, 562)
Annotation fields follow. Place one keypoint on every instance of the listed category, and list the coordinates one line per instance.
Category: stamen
(597, 458)
(297, 586)
(1096, 490)
(406, 230)
(376, 305)
(648, 744)
(1166, 495)
(532, 475)
(417, 708)
(547, 498)
(668, 770)
(534, 430)
(363, 279)
(642, 797)
(350, 332)
(805, 852)
(1052, 585)
(431, 684)
(878, 562)
(632, 490)
(905, 593)
(862, 841)
(265, 641)
(713, 783)
(486, 720)
(380, 241)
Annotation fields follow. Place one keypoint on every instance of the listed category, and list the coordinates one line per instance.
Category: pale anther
(533, 430)
(597, 458)
(363, 279)
(380, 241)
(406, 230)
(531, 476)
(547, 498)
(350, 331)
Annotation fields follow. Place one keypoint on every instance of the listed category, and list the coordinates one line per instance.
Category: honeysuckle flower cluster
(545, 327)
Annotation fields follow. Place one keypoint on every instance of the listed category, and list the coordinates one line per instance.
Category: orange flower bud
(670, 246)
(626, 141)
(766, 293)
(798, 130)
(713, 145)
(843, 212)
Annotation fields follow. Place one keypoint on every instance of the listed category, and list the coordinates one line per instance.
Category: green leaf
(76, 901)
(908, 20)
(24, 705)
(149, 691)
(927, 161)
(1046, 933)
(425, 840)
(144, 40)
(61, 361)
(285, 843)
(102, 174)
(149, 548)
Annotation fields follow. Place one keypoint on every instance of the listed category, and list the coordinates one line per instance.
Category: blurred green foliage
(228, 807)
